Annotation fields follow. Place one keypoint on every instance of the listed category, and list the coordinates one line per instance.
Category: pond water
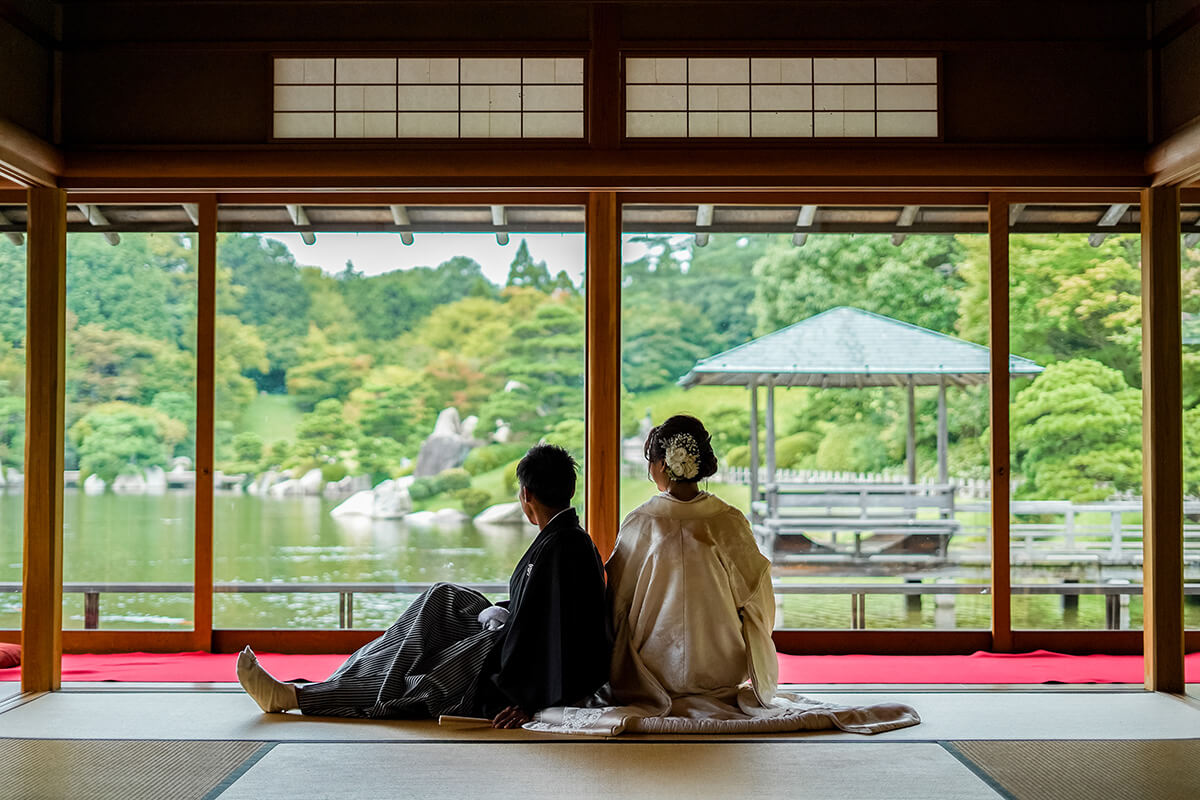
(148, 538)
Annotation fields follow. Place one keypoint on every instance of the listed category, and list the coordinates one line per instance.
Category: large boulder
(448, 445)
(390, 499)
(312, 482)
(289, 488)
(358, 504)
(94, 484)
(347, 486)
(502, 514)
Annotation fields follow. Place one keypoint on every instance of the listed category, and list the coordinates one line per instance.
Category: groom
(453, 652)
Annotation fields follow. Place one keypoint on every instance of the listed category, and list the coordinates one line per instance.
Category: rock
(390, 500)
(15, 479)
(449, 516)
(129, 484)
(94, 484)
(265, 482)
(156, 480)
(358, 504)
(468, 427)
(288, 488)
(347, 486)
(448, 422)
(312, 482)
(420, 519)
(181, 464)
(502, 514)
(513, 386)
(503, 433)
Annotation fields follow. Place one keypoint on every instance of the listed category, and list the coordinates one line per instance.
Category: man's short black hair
(548, 473)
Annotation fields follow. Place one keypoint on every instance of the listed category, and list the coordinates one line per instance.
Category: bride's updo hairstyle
(684, 446)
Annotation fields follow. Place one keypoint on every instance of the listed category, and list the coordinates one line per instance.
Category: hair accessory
(682, 457)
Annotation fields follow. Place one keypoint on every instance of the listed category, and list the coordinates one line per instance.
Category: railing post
(1117, 544)
(91, 610)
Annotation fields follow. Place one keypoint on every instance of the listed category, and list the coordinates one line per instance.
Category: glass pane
(1190, 277)
(1076, 525)
(856, 540)
(369, 409)
(12, 421)
(128, 515)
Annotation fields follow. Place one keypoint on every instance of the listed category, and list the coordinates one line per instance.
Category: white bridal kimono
(693, 609)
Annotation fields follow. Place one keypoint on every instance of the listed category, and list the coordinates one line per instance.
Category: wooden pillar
(943, 434)
(45, 351)
(753, 446)
(603, 295)
(998, 408)
(206, 309)
(1162, 437)
(910, 445)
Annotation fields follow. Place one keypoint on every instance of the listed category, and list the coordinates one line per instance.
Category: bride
(693, 609)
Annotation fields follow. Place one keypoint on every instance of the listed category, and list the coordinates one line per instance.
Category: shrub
(333, 472)
(450, 480)
(473, 500)
(490, 457)
(738, 456)
(421, 488)
(856, 447)
(790, 451)
(510, 477)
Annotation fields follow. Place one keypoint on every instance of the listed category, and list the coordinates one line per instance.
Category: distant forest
(367, 362)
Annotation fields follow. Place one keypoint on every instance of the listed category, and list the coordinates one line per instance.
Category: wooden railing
(857, 593)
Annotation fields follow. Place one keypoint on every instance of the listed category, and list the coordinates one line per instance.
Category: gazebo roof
(850, 348)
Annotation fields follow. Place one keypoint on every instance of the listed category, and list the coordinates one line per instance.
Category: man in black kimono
(453, 652)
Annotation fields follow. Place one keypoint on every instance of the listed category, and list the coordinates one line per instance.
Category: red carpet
(1037, 667)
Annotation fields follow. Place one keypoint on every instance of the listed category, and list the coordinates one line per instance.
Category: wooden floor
(289, 756)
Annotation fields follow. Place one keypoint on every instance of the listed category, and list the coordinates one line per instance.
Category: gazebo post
(772, 495)
(753, 447)
(943, 434)
(910, 456)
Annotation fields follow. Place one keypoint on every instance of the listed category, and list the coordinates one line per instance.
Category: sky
(375, 253)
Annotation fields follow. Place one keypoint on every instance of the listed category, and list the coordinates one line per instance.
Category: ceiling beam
(16, 237)
(26, 159)
(1108, 219)
(95, 217)
(400, 217)
(908, 215)
(300, 220)
(500, 220)
(804, 220)
(704, 219)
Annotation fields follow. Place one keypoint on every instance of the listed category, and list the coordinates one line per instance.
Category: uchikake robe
(693, 609)
(555, 647)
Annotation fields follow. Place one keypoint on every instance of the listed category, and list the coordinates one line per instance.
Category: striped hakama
(428, 663)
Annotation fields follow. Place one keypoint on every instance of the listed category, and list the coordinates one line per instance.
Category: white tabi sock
(271, 695)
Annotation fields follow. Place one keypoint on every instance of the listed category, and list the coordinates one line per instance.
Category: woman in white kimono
(693, 609)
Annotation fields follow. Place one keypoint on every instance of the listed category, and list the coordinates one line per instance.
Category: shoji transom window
(777, 97)
(422, 98)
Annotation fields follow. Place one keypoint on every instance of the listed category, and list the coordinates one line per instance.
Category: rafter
(908, 215)
(500, 220)
(804, 220)
(16, 237)
(704, 219)
(400, 217)
(94, 217)
(1108, 220)
(300, 220)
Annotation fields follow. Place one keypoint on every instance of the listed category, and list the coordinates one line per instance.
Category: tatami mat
(946, 716)
(612, 771)
(143, 770)
(1082, 770)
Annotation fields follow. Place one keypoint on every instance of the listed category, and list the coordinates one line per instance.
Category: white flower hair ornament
(682, 457)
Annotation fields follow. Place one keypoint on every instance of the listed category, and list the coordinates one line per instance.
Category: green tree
(119, 438)
(324, 436)
(1077, 433)
(395, 403)
(524, 271)
(248, 447)
(326, 370)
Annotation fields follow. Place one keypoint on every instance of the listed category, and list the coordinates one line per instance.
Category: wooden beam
(908, 215)
(998, 407)
(603, 297)
(206, 310)
(500, 220)
(604, 78)
(704, 218)
(1176, 160)
(1111, 216)
(347, 167)
(26, 159)
(1162, 437)
(400, 217)
(46, 294)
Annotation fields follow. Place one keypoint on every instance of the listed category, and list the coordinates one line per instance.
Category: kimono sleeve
(758, 619)
(557, 644)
